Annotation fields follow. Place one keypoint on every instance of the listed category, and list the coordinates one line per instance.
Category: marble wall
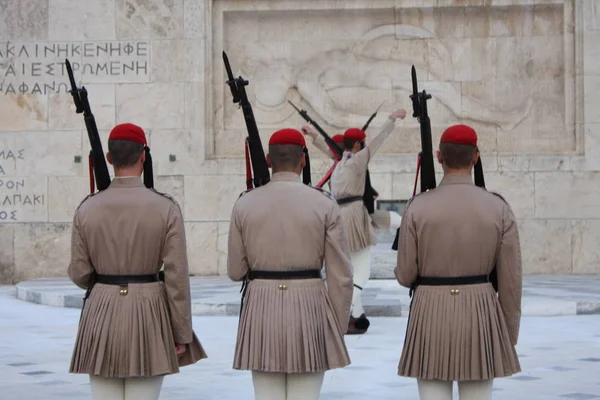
(524, 73)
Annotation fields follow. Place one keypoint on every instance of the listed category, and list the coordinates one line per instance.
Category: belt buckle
(124, 289)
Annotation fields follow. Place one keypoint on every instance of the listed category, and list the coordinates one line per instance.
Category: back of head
(353, 136)
(126, 145)
(286, 151)
(458, 148)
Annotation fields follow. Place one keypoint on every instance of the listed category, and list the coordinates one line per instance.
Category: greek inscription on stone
(9, 156)
(39, 68)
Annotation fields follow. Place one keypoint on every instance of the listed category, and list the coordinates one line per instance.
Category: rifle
(97, 162)
(254, 147)
(364, 128)
(425, 158)
(337, 149)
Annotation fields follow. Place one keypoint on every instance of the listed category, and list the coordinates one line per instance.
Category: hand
(308, 131)
(401, 113)
(179, 349)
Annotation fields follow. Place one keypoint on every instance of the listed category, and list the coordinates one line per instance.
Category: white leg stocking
(475, 390)
(361, 262)
(107, 388)
(269, 385)
(143, 388)
(304, 386)
(434, 390)
(395, 221)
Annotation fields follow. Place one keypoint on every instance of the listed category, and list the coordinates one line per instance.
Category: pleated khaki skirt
(291, 330)
(129, 336)
(459, 337)
(358, 226)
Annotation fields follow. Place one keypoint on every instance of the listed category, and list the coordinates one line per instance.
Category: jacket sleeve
(237, 260)
(177, 280)
(510, 278)
(80, 268)
(319, 142)
(364, 156)
(338, 268)
(407, 266)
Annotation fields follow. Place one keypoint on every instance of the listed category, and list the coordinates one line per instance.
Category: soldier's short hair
(285, 157)
(349, 143)
(124, 153)
(457, 156)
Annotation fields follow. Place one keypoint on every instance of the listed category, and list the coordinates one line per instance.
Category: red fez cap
(339, 138)
(355, 134)
(459, 134)
(287, 136)
(129, 132)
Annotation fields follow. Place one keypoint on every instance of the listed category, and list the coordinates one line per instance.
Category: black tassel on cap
(148, 174)
(306, 170)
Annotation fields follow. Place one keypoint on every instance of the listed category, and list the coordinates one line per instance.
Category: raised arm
(80, 269)
(510, 278)
(338, 268)
(237, 260)
(318, 141)
(406, 270)
(177, 280)
(363, 157)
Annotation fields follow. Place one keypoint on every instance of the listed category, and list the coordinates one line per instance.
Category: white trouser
(125, 389)
(361, 263)
(276, 386)
(395, 221)
(467, 390)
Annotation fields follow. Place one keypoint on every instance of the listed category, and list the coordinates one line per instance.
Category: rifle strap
(327, 175)
(91, 171)
(417, 175)
(248, 167)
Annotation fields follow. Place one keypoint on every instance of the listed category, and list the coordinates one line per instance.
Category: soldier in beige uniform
(450, 240)
(347, 186)
(292, 326)
(136, 326)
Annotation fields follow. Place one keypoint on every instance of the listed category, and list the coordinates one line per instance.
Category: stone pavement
(560, 360)
(543, 295)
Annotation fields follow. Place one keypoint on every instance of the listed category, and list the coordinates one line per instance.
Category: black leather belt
(302, 274)
(448, 281)
(347, 200)
(257, 274)
(125, 279)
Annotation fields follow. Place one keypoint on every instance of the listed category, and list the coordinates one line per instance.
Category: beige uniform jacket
(128, 229)
(348, 180)
(285, 226)
(459, 229)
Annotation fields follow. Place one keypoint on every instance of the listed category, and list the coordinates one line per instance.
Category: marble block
(516, 188)
(156, 105)
(178, 60)
(383, 184)
(48, 153)
(149, 19)
(211, 197)
(177, 152)
(23, 199)
(9, 154)
(591, 53)
(567, 195)
(65, 194)
(173, 186)
(222, 244)
(41, 250)
(592, 97)
(195, 18)
(203, 254)
(7, 265)
(26, 20)
(90, 20)
(62, 115)
(586, 254)
(546, 246)
(22, 112)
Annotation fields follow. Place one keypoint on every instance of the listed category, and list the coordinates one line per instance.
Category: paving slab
(543, 295)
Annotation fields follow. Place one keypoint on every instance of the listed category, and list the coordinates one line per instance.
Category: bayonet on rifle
(364, 128)
(337, 149)
(98, 168)
(257, 153)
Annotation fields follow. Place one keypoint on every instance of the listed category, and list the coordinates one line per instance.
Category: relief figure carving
(277, 79)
